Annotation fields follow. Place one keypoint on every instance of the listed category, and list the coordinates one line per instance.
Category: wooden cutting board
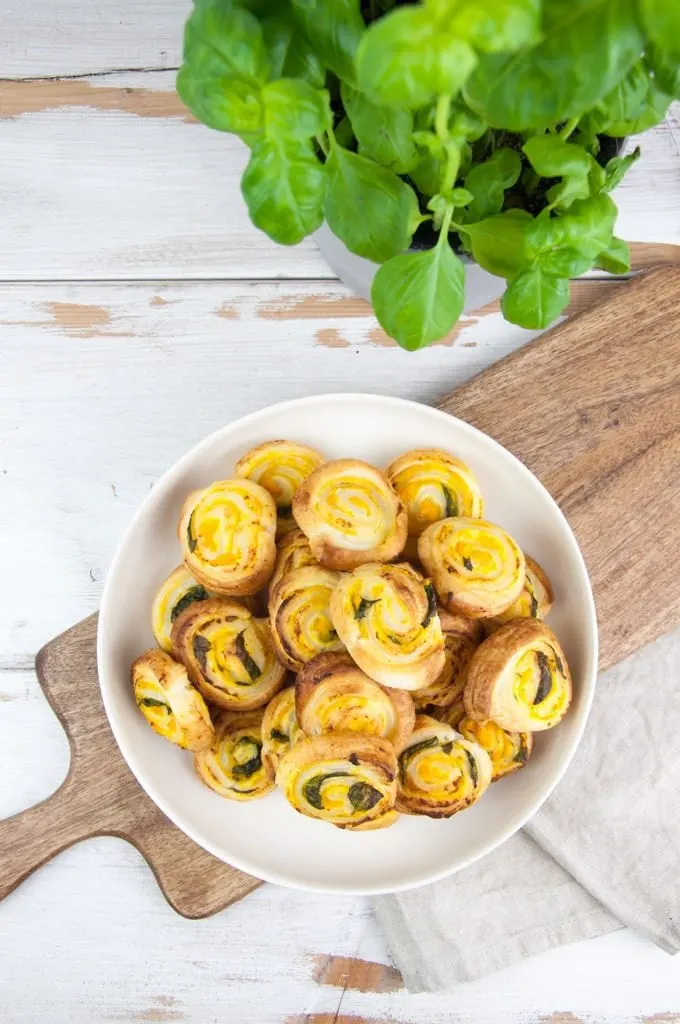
(593, 408)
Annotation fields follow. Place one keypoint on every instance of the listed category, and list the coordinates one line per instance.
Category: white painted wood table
(139, 310)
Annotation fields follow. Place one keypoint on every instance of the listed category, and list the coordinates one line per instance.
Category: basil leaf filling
(312, 789)
(191, 540)
(545, 681)
(363, 606)
(467, 562)
(431, 605)
(447, 747)
(534, 606)
(451, 502)
(249, 664)
(410, 752)
(151, 702)
(521, 755)
(249, 745)
(201, 647)
(281, 737)
(363, 796)
(193, 594)
(474, 774)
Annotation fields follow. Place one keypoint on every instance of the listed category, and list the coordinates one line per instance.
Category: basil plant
(424, 132)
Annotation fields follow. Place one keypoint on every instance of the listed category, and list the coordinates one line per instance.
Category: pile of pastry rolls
(361, 638)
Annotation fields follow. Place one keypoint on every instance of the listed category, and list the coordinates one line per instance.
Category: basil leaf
(249, 663)
(427, 174)
(615, 259)
(564, 262)
(280, 737)
(368, 207)
(312, 789)
(251, 747)
(661, 19)
(626, 100)
(429, 589)
(227, 104)
(545, 680)
(294, 109)
(652, 112)
(384, 134)
(284, 187)
(665, 65)
(494, 26)
(363, 796)
(551, 157)
(290, 53)
(488, 181)
(498, 243)
(417, 297)
(224, 40)
(334, 29)
(201, 646)
(587, 226)
(585, 48)
(196, 593)
(363, 606)
(617, 167)
(534, 298)
(410, 752)
(474, 774)
(410, 56)
(151, 702)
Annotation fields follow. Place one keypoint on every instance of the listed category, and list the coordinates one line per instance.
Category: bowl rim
(108, 605)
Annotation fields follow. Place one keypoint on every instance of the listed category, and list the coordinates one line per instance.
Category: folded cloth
(604, 851)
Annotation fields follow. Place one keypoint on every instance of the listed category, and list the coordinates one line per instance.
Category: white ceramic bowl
(267, 838)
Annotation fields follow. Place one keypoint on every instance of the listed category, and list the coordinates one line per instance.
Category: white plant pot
(357, 273)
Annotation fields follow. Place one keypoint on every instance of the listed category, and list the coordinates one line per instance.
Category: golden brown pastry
(175, 594)
(280, 729)
(434, 485)
(350, 514)
(333, 695)
(280, 467)
(534, 602)
(461, 625)
(476, 567)
(293, 552)
(232, 766)
(227, 533)
(341, 778)
(519, 678)
(450, 683)
(385, 820)
(386, 615)
(228, 654)
(508, 750)
(440, 772)
(300, 616)
(171, 705)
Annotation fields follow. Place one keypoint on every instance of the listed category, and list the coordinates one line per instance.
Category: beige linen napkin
(603, 852)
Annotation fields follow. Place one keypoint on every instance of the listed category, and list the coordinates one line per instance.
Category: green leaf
(488, 181)
(427, 174)
(410, 56)
(368, 207)
(417, 297)
(221, 40)
(615, 259)
(586, 226)
(227, 104)
(294, 109)
(626, 100)
(494, 26)
(617, 167)
(661, 20)
(652, 112)
(665, 65)
(563, 262)
(384, 134)
(498, 243)
(291, 55)
(552, 157)
(284, 186)
(535, 298)
(459, 197)
(334, 28)
(585, 48)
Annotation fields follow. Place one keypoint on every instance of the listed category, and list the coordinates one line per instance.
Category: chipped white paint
(102, 386)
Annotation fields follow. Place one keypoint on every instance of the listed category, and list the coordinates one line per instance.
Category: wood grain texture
(593, 408)
(100, 796)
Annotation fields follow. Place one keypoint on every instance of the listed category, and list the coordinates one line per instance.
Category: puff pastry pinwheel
(280, 467)
(280, 729)
(534, 602)
(228, 653)
(386, 616)
(450, 683)
(171, 705)
(227, 533)
(508, 750)
(476, 567)
(333, 695)
(384, 821)
(293, 552)
(175, 594)
(351, 514)
(341, 778)
(433, 485)
(440, 772)
(300, 615)
(519, 678)
(232, 766)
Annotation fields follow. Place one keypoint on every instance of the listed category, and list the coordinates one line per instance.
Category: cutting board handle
(32, 837)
